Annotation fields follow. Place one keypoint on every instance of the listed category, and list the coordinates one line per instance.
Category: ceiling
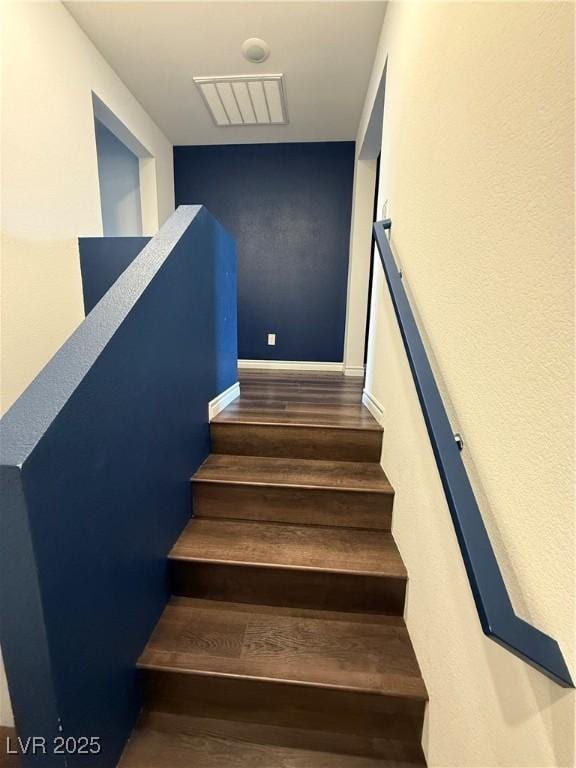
(324, 49)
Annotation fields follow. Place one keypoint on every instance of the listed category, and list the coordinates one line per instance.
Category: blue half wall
(288, 206)
(95, 461)
(102, 261)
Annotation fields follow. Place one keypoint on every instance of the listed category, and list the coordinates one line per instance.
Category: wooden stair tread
(8, 736)
(354, 652)
(164, 740)
(309, 389)
(295, 473)
(298, 415)
(325, 548)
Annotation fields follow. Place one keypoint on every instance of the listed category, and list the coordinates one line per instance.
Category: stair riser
(293, 505)
(281, 441)
(175, 726)
(288, 587)
(292, 706)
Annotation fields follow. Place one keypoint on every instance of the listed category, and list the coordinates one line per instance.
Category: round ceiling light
(255, 50)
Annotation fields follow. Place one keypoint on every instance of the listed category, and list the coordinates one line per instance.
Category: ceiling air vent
(244, 99)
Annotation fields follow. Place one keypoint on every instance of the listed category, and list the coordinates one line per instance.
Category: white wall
(50, 191)
(478, 168)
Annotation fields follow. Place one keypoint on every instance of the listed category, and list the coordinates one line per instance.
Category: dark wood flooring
(284, 644)
(297, 473)
(165, 740)
(343, 550)
(8, 740)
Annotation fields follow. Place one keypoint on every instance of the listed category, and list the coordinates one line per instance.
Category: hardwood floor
(297, 473)
(319, 566)
(283, 389)
(191, 742)
(337, 550)
(284, 645)
(8, 741)
(298, 416)
(358, 653)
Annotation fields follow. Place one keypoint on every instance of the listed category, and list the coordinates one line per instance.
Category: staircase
(284, 644)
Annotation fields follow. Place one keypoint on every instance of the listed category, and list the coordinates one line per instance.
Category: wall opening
(126, 176)
(372, 149)
(119, 178)
(365, 209)
(372, 254)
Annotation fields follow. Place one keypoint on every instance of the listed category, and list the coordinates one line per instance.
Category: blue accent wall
(288, 206)
(102, 261)
(95, 461)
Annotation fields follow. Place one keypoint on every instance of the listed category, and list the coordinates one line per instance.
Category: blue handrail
(497, 617)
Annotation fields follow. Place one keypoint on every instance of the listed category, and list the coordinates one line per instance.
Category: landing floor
(306, 397)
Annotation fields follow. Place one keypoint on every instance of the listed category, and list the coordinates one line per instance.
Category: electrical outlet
(271, 339)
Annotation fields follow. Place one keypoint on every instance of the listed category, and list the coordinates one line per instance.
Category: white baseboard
(374, 406)
(353, 370)
(223, 399)
(290, 365)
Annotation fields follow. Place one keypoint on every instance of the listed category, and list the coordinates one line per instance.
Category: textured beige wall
(477, 165)
(50, 192)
